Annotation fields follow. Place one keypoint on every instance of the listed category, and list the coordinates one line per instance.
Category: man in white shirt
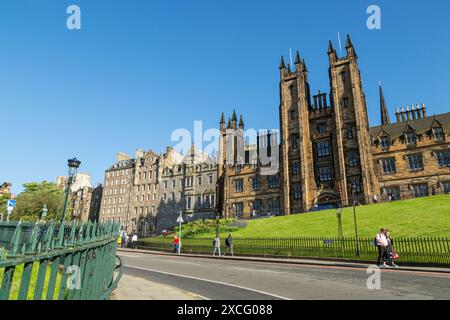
(134, 241)
(382, 243)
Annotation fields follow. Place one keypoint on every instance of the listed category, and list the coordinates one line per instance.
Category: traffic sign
(180, 219)
(11, 203)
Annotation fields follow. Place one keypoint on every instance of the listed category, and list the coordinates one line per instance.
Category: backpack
(227, 242)
(375, 242)
(214, 242)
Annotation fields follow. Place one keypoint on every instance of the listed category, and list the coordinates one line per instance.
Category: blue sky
(139, 69)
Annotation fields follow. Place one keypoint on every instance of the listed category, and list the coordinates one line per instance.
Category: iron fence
(434, 251)
(58, 262)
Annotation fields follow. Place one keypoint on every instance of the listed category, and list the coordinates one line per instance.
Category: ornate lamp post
(73, 165)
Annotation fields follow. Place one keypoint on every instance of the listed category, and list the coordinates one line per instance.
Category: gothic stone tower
(296, 158)
(354, 166)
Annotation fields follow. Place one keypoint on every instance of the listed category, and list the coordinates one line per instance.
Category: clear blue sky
(139, 69)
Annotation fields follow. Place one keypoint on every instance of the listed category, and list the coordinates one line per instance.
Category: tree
(3, 199)
(35, 195)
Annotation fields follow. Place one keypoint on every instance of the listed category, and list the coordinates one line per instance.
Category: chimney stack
(424, 110)
(397, 114)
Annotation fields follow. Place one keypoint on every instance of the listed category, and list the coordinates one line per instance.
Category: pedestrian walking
(119, 241)
(216, 245)
(390, 252)
(229, 245)
(124, 239)
(381, 243)
(176, 244)
(134, 240)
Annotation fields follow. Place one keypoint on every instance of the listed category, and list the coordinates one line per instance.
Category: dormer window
(438, 133)
(385, 142)
(411, 138)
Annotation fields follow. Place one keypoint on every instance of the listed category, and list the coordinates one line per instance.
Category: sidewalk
(134, 288)
(305, 261)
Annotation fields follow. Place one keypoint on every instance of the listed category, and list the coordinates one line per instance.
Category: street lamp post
(356, 225)
(73, 165)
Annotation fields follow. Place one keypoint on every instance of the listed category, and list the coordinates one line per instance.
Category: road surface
(225, 279)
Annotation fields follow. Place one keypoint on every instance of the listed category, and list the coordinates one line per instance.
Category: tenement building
(329, 154)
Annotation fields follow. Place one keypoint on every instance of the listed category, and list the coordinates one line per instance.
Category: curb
(315, 262)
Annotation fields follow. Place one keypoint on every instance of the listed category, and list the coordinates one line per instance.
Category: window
(296, 168)
(257, 205)
(438, 133)
(199, 180)
(446, 186)
(420, 190)
(293, 114)
(325, 174)
(297, 191)
(273, 181)
(443, 158)
(199, 202)
(256, 183)
(385, 142)
(210, 179)
(239, 209)
(274, 206)
(213, 203)
(322, 128)
(415, 162)
(165, 184)
(353, 159)
(392, 193)
(323, 148)
(345, 102)
(349, 132)
(206, 202)
(294, 141)
(355, 183)
(189, 182)
(411, 138)
(238, 168)
(172, 195)
(188, 203)
(388, 166)
(239, 185)
(343, 76)
(173, 184)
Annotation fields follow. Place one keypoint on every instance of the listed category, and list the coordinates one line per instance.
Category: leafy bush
(199, 227)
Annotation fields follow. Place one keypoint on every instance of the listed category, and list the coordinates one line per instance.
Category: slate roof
(421, 126)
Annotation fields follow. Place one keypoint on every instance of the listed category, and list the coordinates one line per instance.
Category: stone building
(86, 202)
(189, 187)
(117, 191)
(329, 155)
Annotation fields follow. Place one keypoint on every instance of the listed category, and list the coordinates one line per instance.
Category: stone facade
(117, 191)
(86, 202)
(329, 155)
(188, 187)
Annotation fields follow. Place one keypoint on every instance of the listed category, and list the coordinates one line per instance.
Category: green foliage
(35, 195)
(423, 217)
(200, 227)
(3, 199)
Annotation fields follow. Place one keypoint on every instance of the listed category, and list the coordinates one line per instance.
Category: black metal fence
(411, 250)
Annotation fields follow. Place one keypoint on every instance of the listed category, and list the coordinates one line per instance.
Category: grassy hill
(424, 217)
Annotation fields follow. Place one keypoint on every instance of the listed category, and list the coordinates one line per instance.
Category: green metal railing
(59, 262)
(411, 250)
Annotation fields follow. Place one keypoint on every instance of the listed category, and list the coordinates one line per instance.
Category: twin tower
(325, 151)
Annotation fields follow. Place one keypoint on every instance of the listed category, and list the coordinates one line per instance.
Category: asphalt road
(225, 279)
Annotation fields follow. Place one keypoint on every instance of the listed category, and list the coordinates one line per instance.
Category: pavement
(137, 288)
(239, 278)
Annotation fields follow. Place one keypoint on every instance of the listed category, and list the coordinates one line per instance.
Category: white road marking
(256, 270)
(212, 281)
(131, 255)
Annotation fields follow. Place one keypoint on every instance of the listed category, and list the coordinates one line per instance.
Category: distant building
(5, 188)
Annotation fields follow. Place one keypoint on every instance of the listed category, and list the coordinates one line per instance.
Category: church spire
(282, 65)
(383, 108)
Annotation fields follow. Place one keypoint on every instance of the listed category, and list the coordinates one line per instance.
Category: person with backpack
(229, 245)
(176, 244)
(216, 245)
(390, 253)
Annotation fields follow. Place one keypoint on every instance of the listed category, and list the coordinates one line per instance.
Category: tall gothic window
(411, 138)
(438, 133)
(388, 166)
(415, 162)
(443, 158)
(323, 148)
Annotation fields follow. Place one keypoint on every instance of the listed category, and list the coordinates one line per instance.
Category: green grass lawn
(34, 273)
(424, 217)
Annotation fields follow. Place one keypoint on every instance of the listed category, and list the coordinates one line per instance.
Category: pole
(179, 237)
(356, 226)
(69, 182)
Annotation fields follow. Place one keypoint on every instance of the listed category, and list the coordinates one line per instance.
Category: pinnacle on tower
(297, 58)
(234, 117)
(330, 47)
(229, 124)
(222, 119)
(241, 122)
(282, 64)
(385, 120)
(349, 43)
(349, 46)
